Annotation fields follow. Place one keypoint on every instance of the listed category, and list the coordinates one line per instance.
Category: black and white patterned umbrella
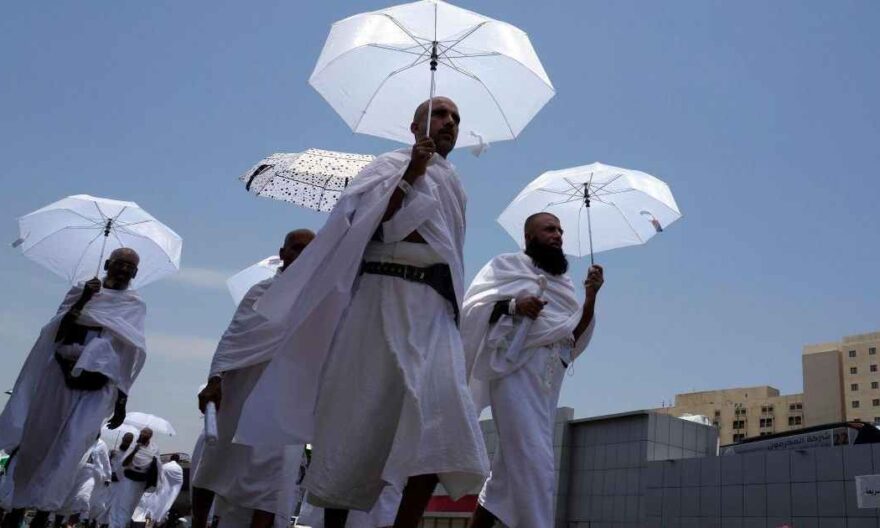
(313, 179)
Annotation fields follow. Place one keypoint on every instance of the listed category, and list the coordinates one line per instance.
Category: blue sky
(763, 117)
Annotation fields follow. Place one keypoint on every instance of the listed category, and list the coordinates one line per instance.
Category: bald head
(121, 267)
(127, 439)
(294, 244)
(145, 436)
(444, 123)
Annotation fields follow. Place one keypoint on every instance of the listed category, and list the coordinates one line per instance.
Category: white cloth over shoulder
(250, 338)
(311, 296)
(503, 278)
(128, 492)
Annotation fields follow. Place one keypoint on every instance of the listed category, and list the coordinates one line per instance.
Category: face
(122, 267)
(294, 244)
(444, 124)
(127, 439)
(545, 230)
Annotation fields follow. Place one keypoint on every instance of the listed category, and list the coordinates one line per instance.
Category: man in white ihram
(154, 506)
(376, 295)
(260, 480)
(523, 385)
(91, 479)
(140, 474)
(77, 375)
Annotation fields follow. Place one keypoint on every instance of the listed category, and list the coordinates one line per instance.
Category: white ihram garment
(103, 473)
(54, 425)
(522, 390)
(382, 514)
(322, 300)
(128, 492)
(156, 504)
(255, 478)
(93, 472)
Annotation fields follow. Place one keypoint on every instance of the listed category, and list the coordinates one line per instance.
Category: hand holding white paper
(211, 423)
(523, 331)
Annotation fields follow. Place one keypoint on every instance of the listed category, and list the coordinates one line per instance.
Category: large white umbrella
(241, 282)
(73, 236)
(140, 420)
(377, 67)
(313, 179)
(599, 206)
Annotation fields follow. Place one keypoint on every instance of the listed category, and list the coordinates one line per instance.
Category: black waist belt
(437, 276)
(135, 475)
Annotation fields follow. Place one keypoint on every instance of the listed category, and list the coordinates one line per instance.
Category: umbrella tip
(17, 242)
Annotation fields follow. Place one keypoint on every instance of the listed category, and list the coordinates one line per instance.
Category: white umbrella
(241, 282)
(377, 67)
(313, 179)
(73, 236)
(140, 420)
(601, 207)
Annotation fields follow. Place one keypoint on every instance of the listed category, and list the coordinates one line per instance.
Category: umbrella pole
(107, 228)
(589, 225)
(434, 57)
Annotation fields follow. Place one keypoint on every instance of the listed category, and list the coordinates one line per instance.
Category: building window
(854, 386)
(854, 370)
(872, 351)
(875, 384)
(766, 422)
(794, 420)
(855, 404)
(737, 437)
(873, 368)
(877, 419)
(852, 353)
(739, 424)
(799, 406)
(876, 403)
(766, 433)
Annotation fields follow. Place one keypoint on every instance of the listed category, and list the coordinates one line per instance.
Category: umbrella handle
(107, 229)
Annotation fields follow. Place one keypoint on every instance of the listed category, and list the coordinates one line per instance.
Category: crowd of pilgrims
(366, 344)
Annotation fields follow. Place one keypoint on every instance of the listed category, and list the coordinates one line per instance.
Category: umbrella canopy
(241, 282)
(140, 420)
(313, 179)
(601, 207)
(73, 236)
(377, 67)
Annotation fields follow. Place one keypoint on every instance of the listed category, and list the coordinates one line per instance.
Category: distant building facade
(743, 412)
(841, 383)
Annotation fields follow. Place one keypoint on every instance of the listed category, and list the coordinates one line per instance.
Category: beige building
(842, 380)
(841, 383)
(742, 412)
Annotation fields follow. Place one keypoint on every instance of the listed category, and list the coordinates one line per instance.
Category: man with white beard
(91, 480)
(256, 479)
(522, 383)
(77, 375)
(140, 473)
(372, 370)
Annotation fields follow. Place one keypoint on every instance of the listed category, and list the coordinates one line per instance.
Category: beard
(548, 258)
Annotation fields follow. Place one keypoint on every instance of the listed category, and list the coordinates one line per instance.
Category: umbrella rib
(83, 254)
(53, 233)
(467, 34)
(488, 91)
(636, 233)
(392, 48)
(407, 31)
(379, 88)
(602, 186)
